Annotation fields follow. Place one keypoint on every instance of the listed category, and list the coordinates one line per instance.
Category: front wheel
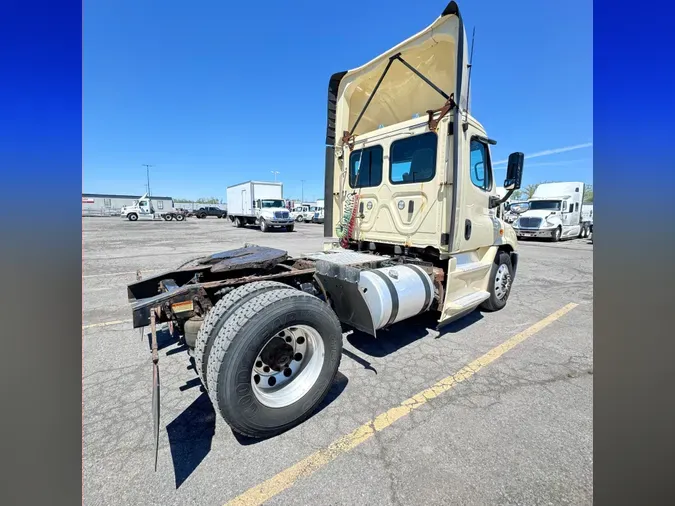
(132, 217)
(557, 233)
(264, 227)
(290, 228)
(300, 219)
(501, 279)
(274, 361)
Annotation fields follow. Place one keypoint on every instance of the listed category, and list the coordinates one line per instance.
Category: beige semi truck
(410, 227)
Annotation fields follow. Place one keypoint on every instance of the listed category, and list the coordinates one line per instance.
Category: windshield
(544, 205)
(272, 203)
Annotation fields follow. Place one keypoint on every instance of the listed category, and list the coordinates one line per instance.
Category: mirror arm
(496, 201)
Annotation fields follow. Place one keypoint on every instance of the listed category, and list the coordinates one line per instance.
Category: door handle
(467, 229)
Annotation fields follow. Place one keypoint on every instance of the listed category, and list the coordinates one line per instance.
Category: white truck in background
(258, 203)
(303, 212)
(143, 210)
(554, 212)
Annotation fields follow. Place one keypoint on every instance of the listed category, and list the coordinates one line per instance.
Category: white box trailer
(259, 203)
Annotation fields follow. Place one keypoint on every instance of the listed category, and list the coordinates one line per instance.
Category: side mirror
(514, 171)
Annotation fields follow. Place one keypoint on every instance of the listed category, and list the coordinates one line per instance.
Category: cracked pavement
(517, 432)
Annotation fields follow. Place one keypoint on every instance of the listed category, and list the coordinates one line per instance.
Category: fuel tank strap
(425, 281)
(394, 295)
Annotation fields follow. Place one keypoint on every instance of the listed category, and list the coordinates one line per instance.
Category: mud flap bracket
(341, 284)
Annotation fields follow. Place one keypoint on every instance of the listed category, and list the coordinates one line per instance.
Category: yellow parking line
(285, 479)
(104, 324)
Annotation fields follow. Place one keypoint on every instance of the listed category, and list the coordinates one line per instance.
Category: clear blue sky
(213, 93)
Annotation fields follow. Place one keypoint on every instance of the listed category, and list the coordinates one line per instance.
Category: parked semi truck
(258, 203)
(142, 209)
(406, 233)
(554, 212)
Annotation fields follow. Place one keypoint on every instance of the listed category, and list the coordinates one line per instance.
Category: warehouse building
(100, 204)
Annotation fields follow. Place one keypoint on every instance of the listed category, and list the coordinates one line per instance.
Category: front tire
(264, 227)
(557, 234)
(132, 217)
(300, 219)
(290, 228)
(501, 280)
(274, 361)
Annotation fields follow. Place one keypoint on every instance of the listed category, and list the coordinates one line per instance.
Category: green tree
(530, 189)
(588, 194)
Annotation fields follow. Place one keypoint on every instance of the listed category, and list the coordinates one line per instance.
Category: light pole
(275, 172)
(147, 169)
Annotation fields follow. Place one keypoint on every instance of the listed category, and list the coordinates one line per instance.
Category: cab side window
(479, 160)
(413, 159)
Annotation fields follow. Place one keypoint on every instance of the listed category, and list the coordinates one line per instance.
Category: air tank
(395, 293)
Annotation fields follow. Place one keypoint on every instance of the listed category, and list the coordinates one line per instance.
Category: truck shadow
(404, 333)
(164, 338)
(190, 436)
(191, 433)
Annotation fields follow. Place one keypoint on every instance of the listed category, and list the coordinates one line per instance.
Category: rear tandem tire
(180, 217)
(239, 346)
(501, 280)
(218, 315)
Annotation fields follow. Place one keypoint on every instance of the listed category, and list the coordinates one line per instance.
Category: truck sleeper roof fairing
(439, 53)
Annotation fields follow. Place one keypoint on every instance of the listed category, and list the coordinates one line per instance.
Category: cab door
(144, 210)
(476, 225)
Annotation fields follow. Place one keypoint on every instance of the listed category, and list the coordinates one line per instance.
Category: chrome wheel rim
(288, 366)
(502, 282)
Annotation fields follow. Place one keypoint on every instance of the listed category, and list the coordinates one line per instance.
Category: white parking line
(105, 324)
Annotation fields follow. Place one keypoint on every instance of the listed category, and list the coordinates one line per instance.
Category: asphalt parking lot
(514, 427)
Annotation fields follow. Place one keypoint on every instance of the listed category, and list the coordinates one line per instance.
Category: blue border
(41, 102)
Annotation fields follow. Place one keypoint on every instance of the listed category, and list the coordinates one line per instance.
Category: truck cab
(141, 209)
(553, 212)
(409, 169)
(272, 213)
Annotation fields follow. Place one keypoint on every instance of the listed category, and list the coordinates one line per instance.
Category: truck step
(469, 301)
(471, 267)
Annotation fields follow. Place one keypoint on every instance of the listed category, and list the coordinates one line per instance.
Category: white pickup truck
(305, 212)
